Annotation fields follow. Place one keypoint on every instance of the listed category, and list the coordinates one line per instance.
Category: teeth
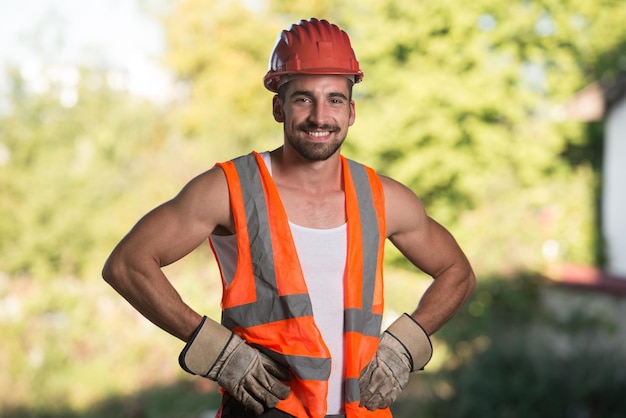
(319, 134)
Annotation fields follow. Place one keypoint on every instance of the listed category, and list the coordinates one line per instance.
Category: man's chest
(314, 210)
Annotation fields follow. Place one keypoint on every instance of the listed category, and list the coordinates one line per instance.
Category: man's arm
(405, 346)
(432, 249)
(162, 237)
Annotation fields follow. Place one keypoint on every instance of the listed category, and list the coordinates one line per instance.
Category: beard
(316, 151)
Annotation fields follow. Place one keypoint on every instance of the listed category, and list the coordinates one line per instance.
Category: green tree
(459, 101)
(219, 51)
(70, 166)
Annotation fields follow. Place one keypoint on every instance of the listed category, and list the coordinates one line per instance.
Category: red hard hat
(311, 47)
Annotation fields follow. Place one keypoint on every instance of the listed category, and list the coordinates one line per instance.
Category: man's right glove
(403, 348)
(250, 377)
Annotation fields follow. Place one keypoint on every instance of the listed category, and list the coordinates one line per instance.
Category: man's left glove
(246, 374)
(403, 348)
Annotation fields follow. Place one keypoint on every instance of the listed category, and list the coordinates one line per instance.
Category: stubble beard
(314, 151)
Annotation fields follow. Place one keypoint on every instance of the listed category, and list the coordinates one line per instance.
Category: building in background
(607, 103)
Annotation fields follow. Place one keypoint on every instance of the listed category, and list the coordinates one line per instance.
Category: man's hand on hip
(404, 347)
(247, 375)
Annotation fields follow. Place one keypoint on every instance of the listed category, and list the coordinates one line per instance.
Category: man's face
(316, 111)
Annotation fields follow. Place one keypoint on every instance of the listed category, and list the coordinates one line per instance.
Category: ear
(277, 109)
(352, 113)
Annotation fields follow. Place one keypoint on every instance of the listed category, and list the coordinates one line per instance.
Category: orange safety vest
(267, 302)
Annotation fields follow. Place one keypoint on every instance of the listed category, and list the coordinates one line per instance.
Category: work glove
(403, 348)
(250, 377)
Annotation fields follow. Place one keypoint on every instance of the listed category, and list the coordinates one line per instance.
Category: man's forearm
(444, 297)
(149, 291)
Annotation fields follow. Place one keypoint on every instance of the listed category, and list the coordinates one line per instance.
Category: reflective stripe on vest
(267, 302)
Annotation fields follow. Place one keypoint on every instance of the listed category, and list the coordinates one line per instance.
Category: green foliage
(76, 348)
(513, 354)
(459, 101)
(220, 52)
(458, 106)
(181, 400)
(68, 170)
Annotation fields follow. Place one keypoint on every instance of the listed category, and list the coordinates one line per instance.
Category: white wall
(614, 195)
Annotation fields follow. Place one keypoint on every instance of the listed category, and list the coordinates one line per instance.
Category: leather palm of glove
(250, 377)
(403, 348)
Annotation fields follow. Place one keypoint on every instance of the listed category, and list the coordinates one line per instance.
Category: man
(298, 233)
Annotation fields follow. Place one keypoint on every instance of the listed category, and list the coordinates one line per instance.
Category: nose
(319, 114)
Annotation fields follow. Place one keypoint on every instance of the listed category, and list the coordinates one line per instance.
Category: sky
(105, 34)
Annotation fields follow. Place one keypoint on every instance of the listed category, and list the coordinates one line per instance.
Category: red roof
(587, 277)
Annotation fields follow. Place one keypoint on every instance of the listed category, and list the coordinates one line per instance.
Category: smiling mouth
(318, 134)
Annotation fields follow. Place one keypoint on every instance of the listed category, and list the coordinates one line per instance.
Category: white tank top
(322, 255)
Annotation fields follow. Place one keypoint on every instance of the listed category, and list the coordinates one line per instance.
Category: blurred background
(506, 117)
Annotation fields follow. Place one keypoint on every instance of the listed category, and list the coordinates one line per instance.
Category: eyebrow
(309, 94)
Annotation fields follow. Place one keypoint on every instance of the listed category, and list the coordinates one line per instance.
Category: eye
(337, 99)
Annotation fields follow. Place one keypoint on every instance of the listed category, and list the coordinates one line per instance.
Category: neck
(290, 168)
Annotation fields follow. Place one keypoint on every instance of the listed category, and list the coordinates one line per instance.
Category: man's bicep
(423, 241)
(404, 211)
(429, 247)
(177, 227)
